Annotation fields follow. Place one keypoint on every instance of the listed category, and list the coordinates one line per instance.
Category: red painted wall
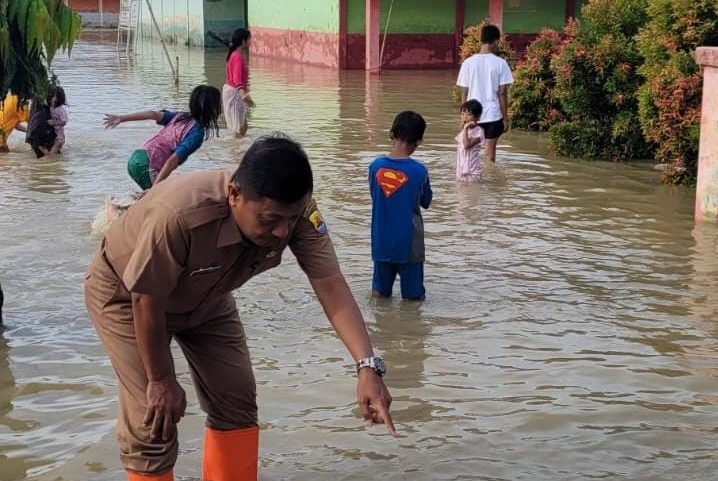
(520, 41)
(312, 48)
(406, 51)
(109, 6)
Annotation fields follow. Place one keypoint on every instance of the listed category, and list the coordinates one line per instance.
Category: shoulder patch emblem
(390, 180)
(318, 221)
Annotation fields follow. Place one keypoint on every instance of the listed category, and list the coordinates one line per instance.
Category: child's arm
(426, 193)
(167, 169)
(189, 144)
(248, 100)
(55, 149)
(111, 120)
(468, 141)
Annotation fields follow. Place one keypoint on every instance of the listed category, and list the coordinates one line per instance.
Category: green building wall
(407, 16)
(309, 16)
(524, 16)
(304, 31)
(179, 21)
(222, 18)
(475, 12)
(187, 22)
(531, 16)
(421, 33)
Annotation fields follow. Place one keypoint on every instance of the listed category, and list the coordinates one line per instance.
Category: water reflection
(401, 332)
(12, 466)
(705, 266)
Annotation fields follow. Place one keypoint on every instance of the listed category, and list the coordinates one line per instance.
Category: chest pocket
(257, 263)
(271, 259)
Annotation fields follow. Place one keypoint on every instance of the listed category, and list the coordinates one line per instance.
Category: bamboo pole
(175, 77)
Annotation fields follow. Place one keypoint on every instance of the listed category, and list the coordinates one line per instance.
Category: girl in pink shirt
(182, 134)
(469, 140)
(58, 119)
(235, 93)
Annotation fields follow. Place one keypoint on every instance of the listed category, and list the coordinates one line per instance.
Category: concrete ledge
(707, 56)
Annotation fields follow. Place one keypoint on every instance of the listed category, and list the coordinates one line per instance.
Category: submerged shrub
(533, 104)
(597, 82)
(670, 98)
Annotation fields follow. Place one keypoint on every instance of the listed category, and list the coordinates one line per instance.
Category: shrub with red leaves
(670, 98)
(533, 104)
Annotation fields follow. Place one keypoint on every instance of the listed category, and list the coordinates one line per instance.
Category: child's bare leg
(243, 128)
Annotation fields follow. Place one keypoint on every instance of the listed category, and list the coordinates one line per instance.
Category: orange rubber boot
(231, 455)
(166, 476)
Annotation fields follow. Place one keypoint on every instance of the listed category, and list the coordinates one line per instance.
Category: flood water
(569, 331)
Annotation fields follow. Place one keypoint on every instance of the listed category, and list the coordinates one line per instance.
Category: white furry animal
(111, 210)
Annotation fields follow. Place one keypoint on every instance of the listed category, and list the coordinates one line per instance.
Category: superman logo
(390, 180)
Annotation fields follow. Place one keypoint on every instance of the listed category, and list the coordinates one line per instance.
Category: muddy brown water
(569, 332)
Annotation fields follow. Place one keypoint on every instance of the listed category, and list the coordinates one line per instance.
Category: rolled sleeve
(312, 246)
(507, 77)
(463, 79)
(426, 193)
(159, 256)
(190, 143)
(167, 116)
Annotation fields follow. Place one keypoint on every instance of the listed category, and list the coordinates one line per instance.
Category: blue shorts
(411, 277)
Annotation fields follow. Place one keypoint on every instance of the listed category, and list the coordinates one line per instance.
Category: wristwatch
(376, 363)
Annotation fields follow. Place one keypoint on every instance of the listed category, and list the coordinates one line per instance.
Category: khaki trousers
(211, 338)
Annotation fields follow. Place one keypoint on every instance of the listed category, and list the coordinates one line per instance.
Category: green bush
(533, 104)
(670, 98)
(597, 83)
(31, 33)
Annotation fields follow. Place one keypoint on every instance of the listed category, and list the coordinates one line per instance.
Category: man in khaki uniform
(166, 270)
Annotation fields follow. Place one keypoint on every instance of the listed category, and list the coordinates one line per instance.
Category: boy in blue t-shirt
(399, 185)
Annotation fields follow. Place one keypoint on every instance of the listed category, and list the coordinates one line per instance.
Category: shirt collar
(229, 233)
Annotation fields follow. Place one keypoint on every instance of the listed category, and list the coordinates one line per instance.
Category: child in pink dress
(468, 150)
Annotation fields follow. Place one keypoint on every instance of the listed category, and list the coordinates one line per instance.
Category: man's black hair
(409, 127)
(473, 107)
(275, 167)
(490, 34)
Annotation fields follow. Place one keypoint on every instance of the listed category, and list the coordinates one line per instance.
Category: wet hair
(205, 105)
(275, 167)
(490, 34)
(239, 36)
(473, 107)
(57, 92)
(409, 127)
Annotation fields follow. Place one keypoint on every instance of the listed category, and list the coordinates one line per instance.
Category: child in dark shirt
(399, 187)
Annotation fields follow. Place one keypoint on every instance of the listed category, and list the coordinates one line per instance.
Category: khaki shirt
(180, 243)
